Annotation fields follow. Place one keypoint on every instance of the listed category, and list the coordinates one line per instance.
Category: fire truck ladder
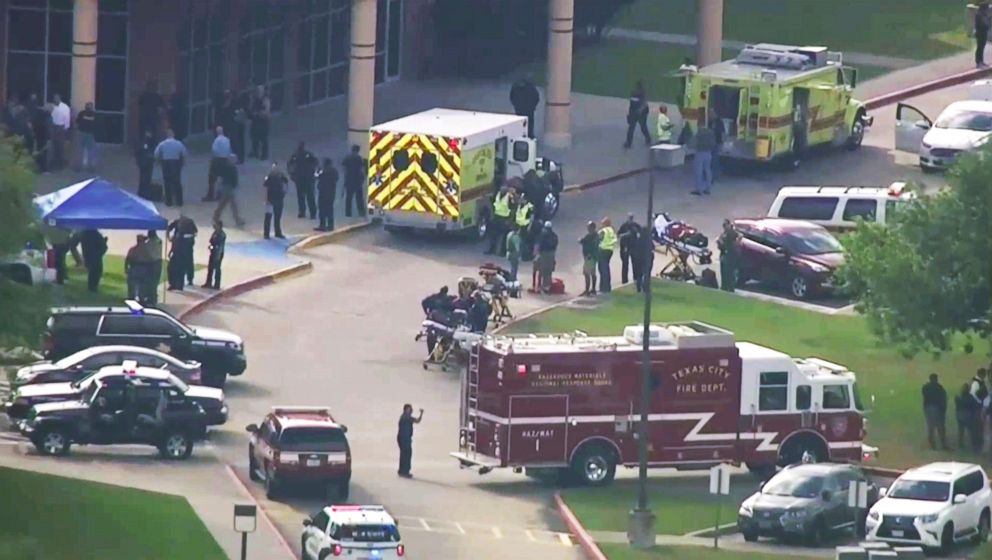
(471, 404)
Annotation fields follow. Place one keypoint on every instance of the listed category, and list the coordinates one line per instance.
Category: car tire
(176, 446)
(303, 549)
(271, 486)
(338, 492)
(594, 465)
(252, 465)
(215, 379)
(799, 287)
(984, 526)
(857, 136)
(750, 536)
(947, 540)
(54, 442)
(816, 535)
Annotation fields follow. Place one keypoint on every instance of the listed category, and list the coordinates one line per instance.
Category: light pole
(641, 529)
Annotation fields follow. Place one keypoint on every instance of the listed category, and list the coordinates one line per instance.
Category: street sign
(720, 480)
(857, 494)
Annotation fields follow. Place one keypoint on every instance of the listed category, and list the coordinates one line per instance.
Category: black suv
(115, 411)
(70, 329)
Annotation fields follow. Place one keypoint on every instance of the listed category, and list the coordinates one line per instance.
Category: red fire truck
(570, 404)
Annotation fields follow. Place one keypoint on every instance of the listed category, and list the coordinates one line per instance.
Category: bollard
(851, 553)
(909, 552)
(882, 555)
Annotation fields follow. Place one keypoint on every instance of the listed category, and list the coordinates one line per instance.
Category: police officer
(524, 219)
(183, 231)
(218, 239)
(607, 245)
(327, 189)
(301, 166)
(354, 177)
(727, 243)
(404, 438)
(630, 240)
(500, 223)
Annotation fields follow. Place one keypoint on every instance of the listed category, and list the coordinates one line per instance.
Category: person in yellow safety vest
(500, 224)
(607, 245)
(524, 219)
(663, 126)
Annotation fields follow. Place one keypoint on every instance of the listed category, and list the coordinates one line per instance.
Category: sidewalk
(617, 537)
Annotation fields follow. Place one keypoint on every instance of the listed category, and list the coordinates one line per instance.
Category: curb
(534, 313)
(318, 239)
(247, 286)
(586, 542)
(261, 509)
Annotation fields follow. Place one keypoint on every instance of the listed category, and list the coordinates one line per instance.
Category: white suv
(351, 532)
(936, 506)
(839, 208)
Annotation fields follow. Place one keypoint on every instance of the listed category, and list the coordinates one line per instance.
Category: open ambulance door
(911, 126)
(522, 157)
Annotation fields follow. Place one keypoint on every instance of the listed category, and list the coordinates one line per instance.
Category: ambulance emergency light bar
(322, 410)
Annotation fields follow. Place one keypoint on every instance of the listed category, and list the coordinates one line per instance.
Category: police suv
(360, 532)
(70, 329)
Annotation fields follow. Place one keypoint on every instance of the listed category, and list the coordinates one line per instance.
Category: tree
(925, 277)
(24, 308)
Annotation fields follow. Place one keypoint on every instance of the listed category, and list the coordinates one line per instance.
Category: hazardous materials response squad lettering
(577, 379)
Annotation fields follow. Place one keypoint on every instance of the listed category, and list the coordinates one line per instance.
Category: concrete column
(709, 35)
(84, 26)
(558, 96)
(361, 73)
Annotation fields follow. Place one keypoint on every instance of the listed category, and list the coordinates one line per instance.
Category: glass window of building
(39, 57)
(325, 43)
(201, 63)
(261, 48)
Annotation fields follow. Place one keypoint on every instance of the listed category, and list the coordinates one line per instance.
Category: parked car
(796, 255)
(351, 531)
(86, 362)
(300, 445)
(806, 501)
(839, 208)
(934, 506)
(210, 398)
(161, 417)
(71, 329)
(962, 126)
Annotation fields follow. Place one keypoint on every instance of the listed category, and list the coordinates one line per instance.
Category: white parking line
(497, 533)
(459, 527)
(425, 525)
(471, 529)
(565, 539)
(530, 535)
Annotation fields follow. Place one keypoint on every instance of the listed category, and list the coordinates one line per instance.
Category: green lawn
(611, 68)
(624, 552)
(54, 517)
(896, 422)
(681, 505)
(917, 29)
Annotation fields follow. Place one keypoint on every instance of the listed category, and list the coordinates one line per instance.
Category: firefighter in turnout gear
(500, 224)
(524, 221)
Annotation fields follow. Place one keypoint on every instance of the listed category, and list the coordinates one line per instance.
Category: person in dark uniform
(144, 156)
(301, 166)
(404, 438)
(630, 239)
(354, 177)
(183, 231)
(524, 97)
(439, 302)
(218, 239)
(94, 246)
(727, 243)
(275, 194)
(935, 412)
(637, 114)
(327, 191)
(260, 111)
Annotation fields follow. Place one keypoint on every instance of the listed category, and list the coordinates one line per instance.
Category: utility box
(851, 553)
(873, 545)
(668, 156)
(909, 552)
(882, 555)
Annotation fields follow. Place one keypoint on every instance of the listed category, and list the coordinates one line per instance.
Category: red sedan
(796, 255)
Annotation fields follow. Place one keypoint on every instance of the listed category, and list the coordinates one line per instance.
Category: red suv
(297, 445)
(799, 256)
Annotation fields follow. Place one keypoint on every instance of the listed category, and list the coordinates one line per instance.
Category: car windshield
(812, 242)
(367, 533)
(926, 490)
(313, 439)
(962, 119)
(795, 485)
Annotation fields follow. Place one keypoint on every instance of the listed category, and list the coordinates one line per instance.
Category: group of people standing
(44, 129)
(972, 411)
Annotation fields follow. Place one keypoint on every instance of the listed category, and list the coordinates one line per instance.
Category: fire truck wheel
(762, 471)
(857, 135)
(594, 465)
(792, 452)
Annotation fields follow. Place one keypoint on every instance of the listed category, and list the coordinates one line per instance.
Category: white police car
(353, 532)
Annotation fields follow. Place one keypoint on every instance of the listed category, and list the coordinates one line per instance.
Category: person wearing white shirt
(61, 122)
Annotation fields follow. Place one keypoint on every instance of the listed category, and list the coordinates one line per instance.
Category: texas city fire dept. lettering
(571, 379)
(701, 379)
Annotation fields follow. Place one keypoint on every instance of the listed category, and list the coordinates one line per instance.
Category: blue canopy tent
(98, 204)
